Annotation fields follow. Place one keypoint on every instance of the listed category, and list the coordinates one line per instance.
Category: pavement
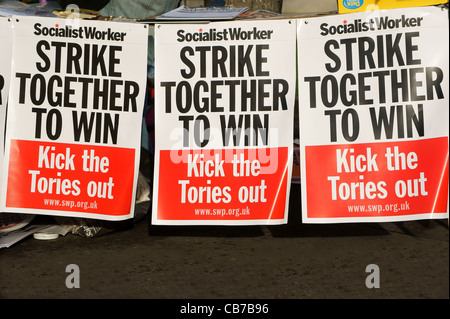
(287, 262)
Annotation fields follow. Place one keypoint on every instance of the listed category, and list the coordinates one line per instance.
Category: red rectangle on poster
(229, 184)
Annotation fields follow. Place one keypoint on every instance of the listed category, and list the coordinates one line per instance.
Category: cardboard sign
(373, 91)
(75, 109)
(223, 122)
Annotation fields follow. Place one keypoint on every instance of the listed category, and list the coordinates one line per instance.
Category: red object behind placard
(54, 176)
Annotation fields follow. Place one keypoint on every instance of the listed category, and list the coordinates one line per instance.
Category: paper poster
(225, 96)
(5, 69)
(374, 116)
(74, 117)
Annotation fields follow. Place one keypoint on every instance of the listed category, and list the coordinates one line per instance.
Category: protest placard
(74, 117)
(374, 116)
(225, 96)
(5, 70)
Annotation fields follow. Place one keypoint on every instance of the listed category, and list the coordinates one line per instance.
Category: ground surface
(294, 261)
